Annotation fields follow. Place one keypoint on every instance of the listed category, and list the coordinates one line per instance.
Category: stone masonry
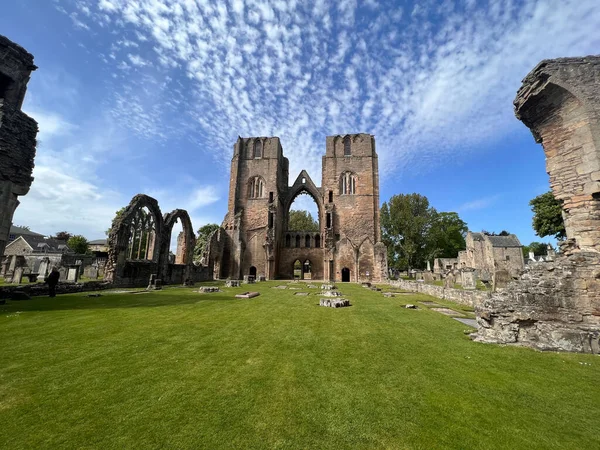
(17, 132)
(254, 238)
(556, 305)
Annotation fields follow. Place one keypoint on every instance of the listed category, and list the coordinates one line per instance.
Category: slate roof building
(489, 254)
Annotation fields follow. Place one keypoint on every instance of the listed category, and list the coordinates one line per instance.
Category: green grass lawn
(179, 369)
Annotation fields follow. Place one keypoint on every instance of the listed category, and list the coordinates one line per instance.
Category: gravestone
(43, 270)
(73, 273)
(232, 283)
(248, 279)
(469, 280)
(18, 275)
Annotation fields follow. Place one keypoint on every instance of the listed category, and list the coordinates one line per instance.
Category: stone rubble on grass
(312, 286)
(207, 289)
(232, 283)
(389, 294)
(327, 287)
(280, 287)
(410, 306)
(337, 303)
(331, 293)
(301, 293)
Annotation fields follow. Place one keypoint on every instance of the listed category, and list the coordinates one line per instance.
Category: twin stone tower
(255, 238)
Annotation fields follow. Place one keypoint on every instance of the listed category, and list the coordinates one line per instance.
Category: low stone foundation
(470, 298)
(39, 289)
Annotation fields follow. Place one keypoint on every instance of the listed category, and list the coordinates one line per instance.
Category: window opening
(257, 149)
(347, 149)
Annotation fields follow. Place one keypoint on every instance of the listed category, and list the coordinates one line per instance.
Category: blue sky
(149, 96)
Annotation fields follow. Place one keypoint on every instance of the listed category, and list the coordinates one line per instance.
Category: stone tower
(351, 187)
(17, 132)
(255, 239)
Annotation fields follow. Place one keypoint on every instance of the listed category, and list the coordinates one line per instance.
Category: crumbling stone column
(17, 132)
(556, 305)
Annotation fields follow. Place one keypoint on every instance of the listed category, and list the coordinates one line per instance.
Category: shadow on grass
(109, 300)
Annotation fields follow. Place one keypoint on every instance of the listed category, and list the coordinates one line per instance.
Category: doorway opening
(345, 275)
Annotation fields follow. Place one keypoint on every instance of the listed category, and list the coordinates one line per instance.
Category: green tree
(78, 244)
(63, 236)
(446, 236)
(405, 223)
(204, 233)
(547, 216)
(118, 214)
(538, 249)
(301, 220)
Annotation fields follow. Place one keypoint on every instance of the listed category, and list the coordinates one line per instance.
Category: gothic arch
(118, 239)
(304, 184)
(190, 238)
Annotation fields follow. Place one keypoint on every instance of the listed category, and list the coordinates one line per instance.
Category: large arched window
(347, 145)
(142, 235)
(348, 183)
(318, 241)
(258, 148)
(256, 187)
(288, 241)
(307, 241)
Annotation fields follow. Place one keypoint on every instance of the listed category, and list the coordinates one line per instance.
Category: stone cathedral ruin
(255, 240)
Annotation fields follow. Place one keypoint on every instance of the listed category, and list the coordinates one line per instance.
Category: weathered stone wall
(470, 298)
(556, 306)
(17, 132)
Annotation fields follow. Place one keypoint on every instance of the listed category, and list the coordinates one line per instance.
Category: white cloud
(429, 84)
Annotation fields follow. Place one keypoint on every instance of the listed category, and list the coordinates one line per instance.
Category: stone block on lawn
(331, 294)
(248, 295)
(334, 303)
(327, 287)
(301, 293)
(232, 283)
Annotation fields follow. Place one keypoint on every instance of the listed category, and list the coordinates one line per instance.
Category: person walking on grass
(52, 281)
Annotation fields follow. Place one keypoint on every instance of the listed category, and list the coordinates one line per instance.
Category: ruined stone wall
(469, 298)
(17, 132)
(509, 259)
(290, 255)
(556, 306)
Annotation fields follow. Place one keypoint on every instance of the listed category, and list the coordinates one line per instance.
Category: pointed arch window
(318, 241)
(348, 183)
(256, 187)
(258, 148)
(297, 241)
(307, 241)
(347, 146)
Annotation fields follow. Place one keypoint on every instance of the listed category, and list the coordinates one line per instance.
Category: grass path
(178, 369)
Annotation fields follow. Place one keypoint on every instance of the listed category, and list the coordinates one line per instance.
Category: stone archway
(121, 234)
(189, 240)
(303, 184)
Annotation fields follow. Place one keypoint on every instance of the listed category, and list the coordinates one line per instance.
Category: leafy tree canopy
(78, 244)
(415, 232)
(538, 249)
(301, 220)
(547, 216)
(204, 233)
(63, 236)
